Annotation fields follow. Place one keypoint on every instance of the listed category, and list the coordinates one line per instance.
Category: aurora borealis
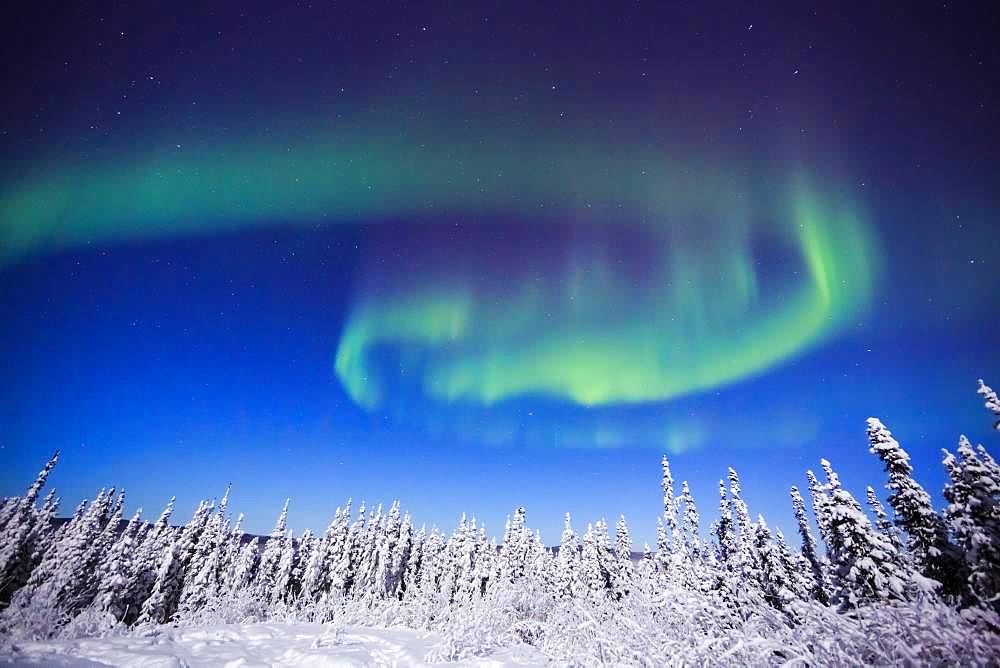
(696, 319)
(565, 237)
(679, 306)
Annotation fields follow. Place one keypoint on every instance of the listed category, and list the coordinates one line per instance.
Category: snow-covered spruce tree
(355, 549)
(7, 507)
(303, 551)
(177, 566)
(284, 587)
(567, 561)
(366, 569)
(991, 401)
(55, 590)
(990, 464)
(335, 567)
(72, 584)
(663, 550)
(145, 564)
(973, 515)
(245, 567)
(465, 552)
(19, 533)
(267, 569)
(159, 608)
(816, 565)
(864, 566)
(313, 563)
(820, 506)
(773, 577)
(623, 575)
(484, 558)
(432, 566)
(410, 582)
(189, 543)
(514, 550)
(797, 567)
(882, 521)
(109, 521)
(932, 553)
(448, 582)
(669, 502)
(725, 534)
(472, 566)
(594, 574)
(203, 574)
(89, 575)
(746, 565)
(395, 584)
(384, 580)
(113, 573)
(231, 545)
(692, 522)
(44, 534)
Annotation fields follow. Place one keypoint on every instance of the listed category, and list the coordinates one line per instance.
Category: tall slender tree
(817, 567)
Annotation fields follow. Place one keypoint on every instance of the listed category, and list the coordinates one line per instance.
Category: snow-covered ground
(233, 645)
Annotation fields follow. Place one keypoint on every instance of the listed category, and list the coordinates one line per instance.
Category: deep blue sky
(176, 363)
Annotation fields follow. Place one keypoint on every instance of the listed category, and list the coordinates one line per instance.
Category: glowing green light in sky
(699, 320)
(705, 310)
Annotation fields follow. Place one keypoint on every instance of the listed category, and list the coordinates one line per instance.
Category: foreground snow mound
(254, 645)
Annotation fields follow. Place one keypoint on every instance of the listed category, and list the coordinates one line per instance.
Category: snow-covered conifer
(663, 550)
(928, 545)
(669, 501)
(882, 521)
(245, 568)
(973, 514)
(284, 573)
(991, 401)
(302, 552)
(113, 574)
(16, 546)
(385, 553)
(335, 568)
(623, 574)
(312, 563)
(724, 530)
(747, 563)
(568, 560)
(146, 562)
(274, 547)
(432, 566)
(773, 577)
(394, 584)
(796, 567)
(816, 565)
(594, 576)
(409, 584)
(515, 548)
(864, 566)
(692, 522)
(820, 505)
(44, 533)
(159, 608)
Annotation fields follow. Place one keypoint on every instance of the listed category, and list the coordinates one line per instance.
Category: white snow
(231, 645)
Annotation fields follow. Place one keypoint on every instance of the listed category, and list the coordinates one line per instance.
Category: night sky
(477, 255)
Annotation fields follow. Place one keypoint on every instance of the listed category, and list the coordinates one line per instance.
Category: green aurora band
(579, 327)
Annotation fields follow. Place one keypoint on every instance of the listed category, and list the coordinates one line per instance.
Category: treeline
(92, 575)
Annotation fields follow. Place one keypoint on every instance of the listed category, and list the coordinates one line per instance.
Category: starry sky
(477, 255)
